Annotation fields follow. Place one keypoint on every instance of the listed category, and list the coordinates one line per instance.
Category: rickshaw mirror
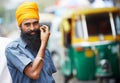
(66, 26)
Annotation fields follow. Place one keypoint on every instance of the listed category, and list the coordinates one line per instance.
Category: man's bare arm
(33, 70)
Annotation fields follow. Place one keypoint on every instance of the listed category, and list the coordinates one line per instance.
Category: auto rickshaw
(91, 43)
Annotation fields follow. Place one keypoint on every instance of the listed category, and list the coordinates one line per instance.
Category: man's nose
(31, 27)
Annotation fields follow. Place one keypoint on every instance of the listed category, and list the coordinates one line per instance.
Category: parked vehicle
(91, 42)
(4, 71)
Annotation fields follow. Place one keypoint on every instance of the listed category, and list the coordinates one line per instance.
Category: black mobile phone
(40, 25)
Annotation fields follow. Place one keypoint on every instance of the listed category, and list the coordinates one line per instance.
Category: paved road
(59, 79)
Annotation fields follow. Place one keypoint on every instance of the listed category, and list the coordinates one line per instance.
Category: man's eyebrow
(27, 23)
(30, 22)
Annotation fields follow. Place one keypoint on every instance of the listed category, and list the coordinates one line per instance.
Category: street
(59, 79)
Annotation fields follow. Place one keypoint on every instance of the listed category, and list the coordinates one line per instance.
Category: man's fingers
(44, 28)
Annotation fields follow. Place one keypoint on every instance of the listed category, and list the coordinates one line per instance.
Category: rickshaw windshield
(98, 24)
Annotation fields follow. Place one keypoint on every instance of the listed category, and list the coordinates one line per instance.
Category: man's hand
(45, 33)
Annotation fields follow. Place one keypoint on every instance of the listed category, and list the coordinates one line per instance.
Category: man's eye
(27, 24)
(36, 23)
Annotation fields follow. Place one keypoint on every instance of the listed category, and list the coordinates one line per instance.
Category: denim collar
(22, 43)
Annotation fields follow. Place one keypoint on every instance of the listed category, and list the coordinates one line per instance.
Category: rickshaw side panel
(85, 66)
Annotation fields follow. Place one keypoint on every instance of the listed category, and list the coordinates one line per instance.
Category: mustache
(31, 31)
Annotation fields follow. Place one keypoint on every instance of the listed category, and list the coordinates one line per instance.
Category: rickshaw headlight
(89, 53)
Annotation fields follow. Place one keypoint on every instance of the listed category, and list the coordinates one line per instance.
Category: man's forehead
(30, 20)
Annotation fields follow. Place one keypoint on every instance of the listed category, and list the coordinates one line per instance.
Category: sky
(14, 3)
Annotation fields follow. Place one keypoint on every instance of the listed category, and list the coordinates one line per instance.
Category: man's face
(30, 33)
(30, 25)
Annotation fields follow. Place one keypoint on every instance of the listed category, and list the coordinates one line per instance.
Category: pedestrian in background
(4, 72)
(28, 59)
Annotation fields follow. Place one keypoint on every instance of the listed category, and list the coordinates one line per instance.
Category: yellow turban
(27, 10)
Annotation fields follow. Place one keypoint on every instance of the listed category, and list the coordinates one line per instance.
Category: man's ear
(20, 27)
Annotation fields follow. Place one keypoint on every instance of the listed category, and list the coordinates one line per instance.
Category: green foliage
(2, 11)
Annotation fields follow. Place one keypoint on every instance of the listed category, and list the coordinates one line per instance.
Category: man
(28, 59)
(4, 72)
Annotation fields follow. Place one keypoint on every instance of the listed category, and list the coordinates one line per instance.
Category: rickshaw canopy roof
(87, 11)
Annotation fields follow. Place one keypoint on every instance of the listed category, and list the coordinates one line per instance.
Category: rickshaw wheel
(102, 80)
(99, 80)
(105, 81)
(67, 78)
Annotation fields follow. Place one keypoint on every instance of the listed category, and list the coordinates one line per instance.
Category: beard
(32, 40)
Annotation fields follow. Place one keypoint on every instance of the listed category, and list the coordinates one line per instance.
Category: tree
(2, 11)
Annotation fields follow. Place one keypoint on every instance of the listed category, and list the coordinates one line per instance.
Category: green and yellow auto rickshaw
(91, 43)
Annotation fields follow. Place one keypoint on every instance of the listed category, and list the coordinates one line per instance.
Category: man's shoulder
(13, 43)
